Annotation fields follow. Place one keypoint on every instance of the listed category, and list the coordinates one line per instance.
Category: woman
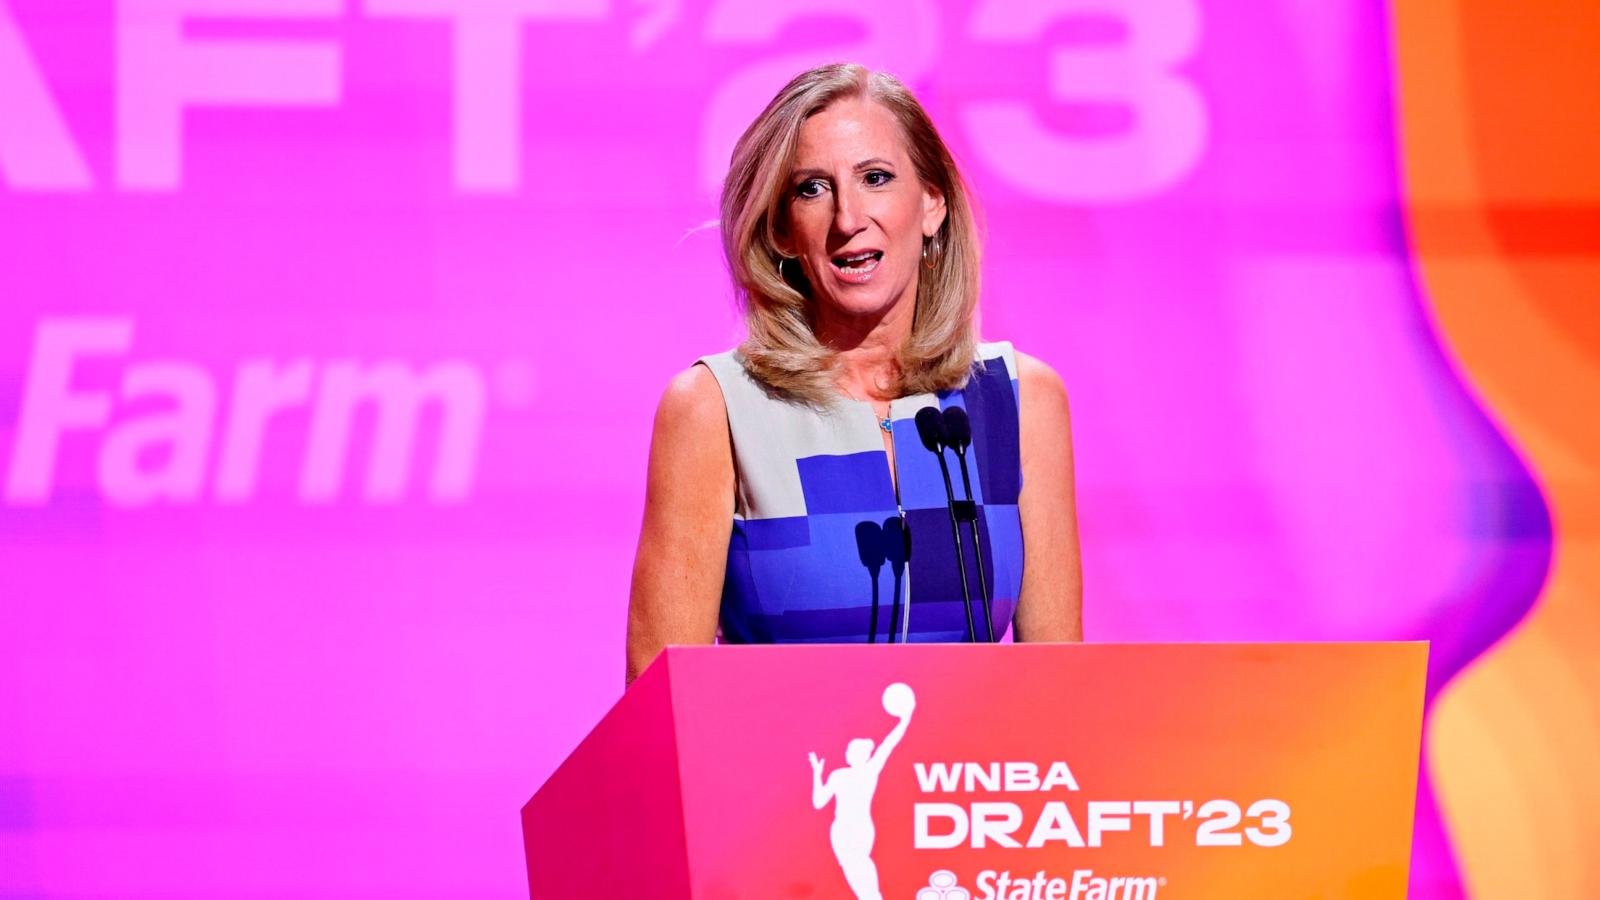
(787, 478)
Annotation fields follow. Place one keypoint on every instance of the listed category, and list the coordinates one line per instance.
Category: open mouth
(858, 263)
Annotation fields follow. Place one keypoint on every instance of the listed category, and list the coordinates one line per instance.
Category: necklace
(885, 421)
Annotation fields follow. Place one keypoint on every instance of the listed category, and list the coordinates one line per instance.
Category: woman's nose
(847, 212)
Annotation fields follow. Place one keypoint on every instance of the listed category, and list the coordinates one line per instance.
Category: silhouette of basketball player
(851, 789)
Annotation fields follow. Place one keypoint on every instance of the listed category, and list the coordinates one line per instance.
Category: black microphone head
(957, 428)
(930, 427)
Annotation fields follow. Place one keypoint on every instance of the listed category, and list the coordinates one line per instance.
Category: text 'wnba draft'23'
(1019, 804)
(1046, 772)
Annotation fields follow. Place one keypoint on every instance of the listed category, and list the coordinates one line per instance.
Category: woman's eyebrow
(864, 164)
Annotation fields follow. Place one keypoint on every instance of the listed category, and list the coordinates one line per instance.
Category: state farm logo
(942, 886)
(1084, 885)
(146, 455)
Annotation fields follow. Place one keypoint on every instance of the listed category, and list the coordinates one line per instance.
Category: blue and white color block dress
(817, 551)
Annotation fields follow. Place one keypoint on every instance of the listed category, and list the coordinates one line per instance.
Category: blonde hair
(782, 349)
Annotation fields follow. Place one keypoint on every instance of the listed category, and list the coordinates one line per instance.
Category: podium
(1022, 772)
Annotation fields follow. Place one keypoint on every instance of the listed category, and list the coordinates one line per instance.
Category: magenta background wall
(331, 333)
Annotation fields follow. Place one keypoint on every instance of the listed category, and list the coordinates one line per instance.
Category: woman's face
(856, 211)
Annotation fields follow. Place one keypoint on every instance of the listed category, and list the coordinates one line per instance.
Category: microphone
(931, 428)
(958, 434)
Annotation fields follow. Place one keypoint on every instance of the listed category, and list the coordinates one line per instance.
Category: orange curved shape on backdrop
(1499, 116)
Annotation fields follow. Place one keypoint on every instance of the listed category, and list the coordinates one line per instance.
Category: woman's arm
(688, 511)
(1051, 605)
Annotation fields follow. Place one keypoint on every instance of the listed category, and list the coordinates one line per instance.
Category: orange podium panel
(993, 772)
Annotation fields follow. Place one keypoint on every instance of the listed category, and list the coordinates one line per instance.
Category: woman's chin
(856, 309)
(860, 301)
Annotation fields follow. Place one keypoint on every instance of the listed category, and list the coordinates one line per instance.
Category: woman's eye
(878, 178)
(809, 188)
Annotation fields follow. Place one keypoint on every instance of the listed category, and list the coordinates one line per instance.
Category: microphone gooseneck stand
(958, 434)
(931, 428)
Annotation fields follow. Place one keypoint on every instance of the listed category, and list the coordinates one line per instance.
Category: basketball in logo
(898, 700)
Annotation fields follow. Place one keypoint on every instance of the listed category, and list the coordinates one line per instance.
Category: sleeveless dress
(818, 549)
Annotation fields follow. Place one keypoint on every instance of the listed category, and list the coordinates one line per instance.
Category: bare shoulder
(1040, 389)
(692, 405)
(691, 445)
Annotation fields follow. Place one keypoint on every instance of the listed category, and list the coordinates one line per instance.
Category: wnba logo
(942, 886)
(851, 787)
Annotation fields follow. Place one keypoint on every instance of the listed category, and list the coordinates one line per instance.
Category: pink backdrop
(332, 331)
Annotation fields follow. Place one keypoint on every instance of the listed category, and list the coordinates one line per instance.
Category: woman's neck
(868, 350)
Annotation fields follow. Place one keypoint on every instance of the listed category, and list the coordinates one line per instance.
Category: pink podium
(983, 772)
